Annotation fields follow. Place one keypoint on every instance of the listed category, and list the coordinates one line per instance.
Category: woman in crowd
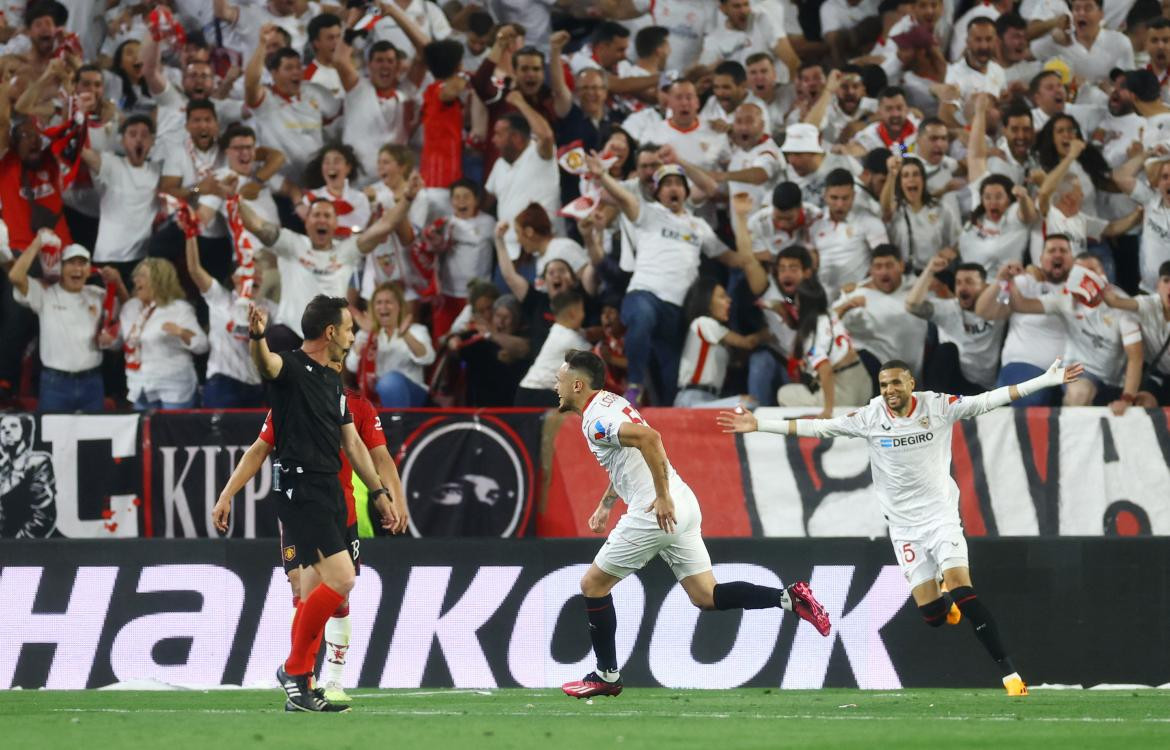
(125, 84)
(327, 177)
(835, 373)
(707, 350)
(920, 225)
(1000, 225)
(390, 352)
(160, 337)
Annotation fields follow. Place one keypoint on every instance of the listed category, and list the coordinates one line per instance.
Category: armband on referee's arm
(798, 427)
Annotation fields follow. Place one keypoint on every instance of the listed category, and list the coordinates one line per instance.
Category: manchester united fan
(309, 435)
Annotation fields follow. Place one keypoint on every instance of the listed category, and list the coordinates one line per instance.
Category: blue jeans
(1013, 373)
(62, 393)
(222, 392)
(765, 376)
(397, 391)
(143, 405)
(653, 326)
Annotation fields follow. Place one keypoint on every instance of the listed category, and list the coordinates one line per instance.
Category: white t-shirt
(68, 324)
(725, 43)
(428, 16)
(1155, 242)
(959, 33)
(836, 120)
(668, 251)
(1155, 330)
(296, 125)
(766, 236)
(167, 369)
(244, 35)
(128, 206)
(1110, 50)
(470, 256)
(910, 457)
(704, 359)
(1117, 134)
(529, 179)
(372, 120)
(970, 81)
(394, 354)
(921, 234)
(305, 273)
(1035, 340)
(766, 156)
(882, 326)
(993, 243)
(388, 261)
(542, 375)
(1079, 228)
(812, 185)
(977, 340)
(844, 248)
(325, 76)
(783, 335)
(227, 333)
(1097, 336)
(352, 206)
(688, 22)
(628, 471)
(839, 15)
(698, 144)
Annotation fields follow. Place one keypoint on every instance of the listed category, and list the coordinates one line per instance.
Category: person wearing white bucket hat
(807, 164)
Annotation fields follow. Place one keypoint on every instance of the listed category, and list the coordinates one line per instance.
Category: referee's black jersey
(308, 410)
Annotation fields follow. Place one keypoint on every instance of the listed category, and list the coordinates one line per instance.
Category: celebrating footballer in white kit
(909, 438)
(662, 518)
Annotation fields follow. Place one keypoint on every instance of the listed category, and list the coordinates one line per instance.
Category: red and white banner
(1033, 472)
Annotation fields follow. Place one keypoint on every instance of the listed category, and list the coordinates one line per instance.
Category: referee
(310, 420)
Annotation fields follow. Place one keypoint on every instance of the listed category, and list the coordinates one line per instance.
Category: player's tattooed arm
(610, 497)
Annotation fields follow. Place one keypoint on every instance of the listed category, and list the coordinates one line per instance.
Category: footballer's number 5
(908, 553)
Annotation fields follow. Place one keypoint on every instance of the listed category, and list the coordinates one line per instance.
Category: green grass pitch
(546, 719)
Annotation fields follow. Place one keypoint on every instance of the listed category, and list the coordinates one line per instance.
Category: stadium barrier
(1036, 472)
(488, 613)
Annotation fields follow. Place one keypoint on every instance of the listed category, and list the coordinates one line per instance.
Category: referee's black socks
(603, 630)
(984, 624)
(743, 595)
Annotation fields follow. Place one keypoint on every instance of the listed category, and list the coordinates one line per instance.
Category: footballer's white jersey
(910, 456)
(601, 419)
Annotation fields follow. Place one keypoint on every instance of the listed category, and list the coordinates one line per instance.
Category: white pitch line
(645, 714)
(423, 693)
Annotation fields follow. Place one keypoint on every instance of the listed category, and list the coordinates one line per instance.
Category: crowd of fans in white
(732, 201)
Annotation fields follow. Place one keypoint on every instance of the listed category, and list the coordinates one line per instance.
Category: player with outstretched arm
(909, 439)
(662, 518)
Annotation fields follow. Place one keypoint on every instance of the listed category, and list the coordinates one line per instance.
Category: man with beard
(976, 72)
(662, 519)
(377, 111)
(968, 345)
(1032, 340)
(198, 84)
(28, 487)
(316, 262)
(896, 128)
(810, 84)
(1158, 48)
(755, 157)
(783, 224)
(728, 91)
(875, 313)
(934, 146)
(842, 106)
(188, 165)
(44, 22)
(526, 171)
(1014, 54)
(807, 164)
(1140, 89)
(845, 236)
(1012, 155)
(1119, 126)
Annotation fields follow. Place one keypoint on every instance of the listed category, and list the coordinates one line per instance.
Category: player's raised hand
(737, 421)
(663, 509)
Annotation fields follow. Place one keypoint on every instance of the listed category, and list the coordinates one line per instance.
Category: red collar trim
(913, 406)
(288, 99)
(391, 93)
(691, 129)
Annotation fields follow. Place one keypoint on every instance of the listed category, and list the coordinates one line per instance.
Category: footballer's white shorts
(637, 539)
(924, 552)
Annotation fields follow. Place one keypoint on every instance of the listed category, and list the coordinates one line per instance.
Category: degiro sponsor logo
(898, 442)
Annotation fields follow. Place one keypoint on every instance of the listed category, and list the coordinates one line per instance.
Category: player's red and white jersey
(601, 419)
(369, 428)
(910, 456)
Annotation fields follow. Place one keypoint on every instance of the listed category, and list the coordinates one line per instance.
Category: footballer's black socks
(603, 630)
(984, 624)
(743, 595)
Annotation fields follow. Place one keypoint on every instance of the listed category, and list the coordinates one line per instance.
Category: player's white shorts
(924, 552)
(633, 542)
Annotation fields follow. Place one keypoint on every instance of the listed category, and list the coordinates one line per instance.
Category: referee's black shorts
(312, 515)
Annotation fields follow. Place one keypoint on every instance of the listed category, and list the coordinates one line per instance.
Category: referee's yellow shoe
(1014, 684)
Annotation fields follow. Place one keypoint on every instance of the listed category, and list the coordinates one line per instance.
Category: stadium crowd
(731, 201)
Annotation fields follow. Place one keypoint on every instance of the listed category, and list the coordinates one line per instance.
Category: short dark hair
(196, 105)
(587, 363)
(517, 123)
(981, 20)
(874, 162)
(443, 58)
(889, 92)
(756, 57)
(786, 196)
(87, 68)
(383, 45)
(470, 184)
(139, 119)
(1161, 22)
(976, 267)
(798, 253)
(1143, 84)
(1009, 20)
(321, 312)
(732, 70)
(839, 177)
(235, 130)
(929, 121)
(480, 23)
(896, 364)
(1034, 84)
(1164, 269)
(1058, 236)
(319, 23)
(1018, 107)
(526, 51)
(279, 56)
(886, 250)
(566, 299)
(874, 78)
(648, 40)
(607, 31)
(1143, 12)
(41, 8)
